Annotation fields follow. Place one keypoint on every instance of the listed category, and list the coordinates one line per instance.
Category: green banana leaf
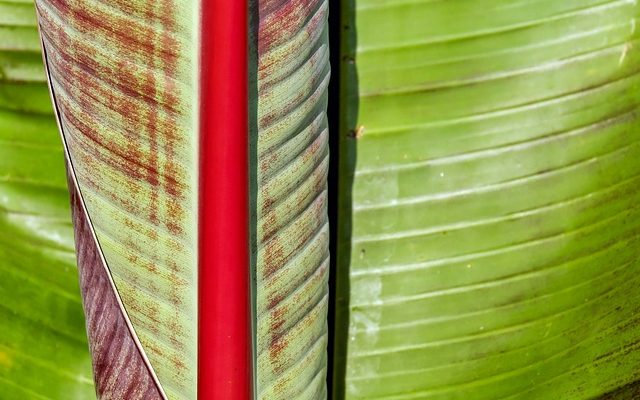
(491, 249)
(43, 345)
(488, 227)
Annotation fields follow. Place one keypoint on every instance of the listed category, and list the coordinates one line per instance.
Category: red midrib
(224, 339)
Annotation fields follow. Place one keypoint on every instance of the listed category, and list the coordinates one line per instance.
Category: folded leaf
(123, 79)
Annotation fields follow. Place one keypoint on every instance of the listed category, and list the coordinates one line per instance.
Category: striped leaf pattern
(123, 76)
(120, 371)
(43, 346)
(292, 231)
(495, 216)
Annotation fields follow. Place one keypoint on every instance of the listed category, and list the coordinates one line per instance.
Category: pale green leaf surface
(495, 200)
(292, 262)
(123, 75)
(43, 346)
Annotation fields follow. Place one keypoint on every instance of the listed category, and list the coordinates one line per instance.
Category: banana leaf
(132, 87)
(487, 228)
(43, 345)
(292, 235)
(491, 152)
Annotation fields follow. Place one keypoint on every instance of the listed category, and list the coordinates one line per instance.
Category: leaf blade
(494, 200)
(292, 225)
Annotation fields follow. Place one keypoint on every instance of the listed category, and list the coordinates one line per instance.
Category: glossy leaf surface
(494, 249)
(43, 345)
